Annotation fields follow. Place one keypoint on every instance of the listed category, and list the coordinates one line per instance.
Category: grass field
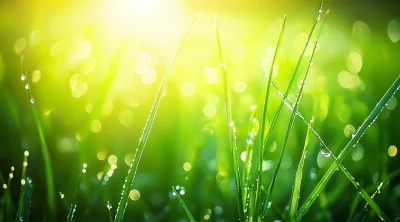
(156, 110)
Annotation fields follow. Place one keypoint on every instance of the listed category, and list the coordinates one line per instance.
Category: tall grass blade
(299, 175)
(72, 209)
(264, 115)
(353, 207)
(231, 125)
(292, 118)
(278, 111)
(353, 141)
(145, 134)
(109, 210)
(22, 191)
(10, 210)
(51, 201)
(28, 187)
(182, 203)
(252, 132)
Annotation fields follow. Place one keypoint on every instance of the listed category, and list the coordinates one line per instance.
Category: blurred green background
(95, 67)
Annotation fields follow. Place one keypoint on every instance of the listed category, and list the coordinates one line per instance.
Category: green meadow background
(94, 68)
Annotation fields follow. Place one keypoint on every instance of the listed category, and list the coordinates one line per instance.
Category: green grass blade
(72, 209)
(353, 207)
(10, 210)
(299, 174)
(264, 116)
(145, 134)
(22, 191)
(51, 201)
(231, 125)
(354, 140)
(252, 132)
(291, 122)
(182, 203)
(278, 111)
(109, 210)
(342, 168)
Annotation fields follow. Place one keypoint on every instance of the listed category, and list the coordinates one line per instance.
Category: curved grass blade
(264, 116)
(28, 187)
(278, 111)
(299, 174)
(231, 125)
(145, 134)
(365, 210)
(185, 208)
(72, 209)
(291, 122)
(51, 201)
(22, 191)
(353, 207)
(353, 141)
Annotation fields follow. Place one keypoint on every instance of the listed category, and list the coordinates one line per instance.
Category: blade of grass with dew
(365, 210)
(51, 201)
(182, 203)
(264, 115)
(109, 210)
(299, 174)
(72, 209)
(231, 124)
(28, 187)
(363, 193)
(291, 122)
(252, 132)
(278, 111)
(22, 191)
(145, 134)
(10, 210)
(353, 141)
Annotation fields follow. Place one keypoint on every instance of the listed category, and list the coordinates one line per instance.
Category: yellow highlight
(128, 159)
(392, 151)
(187, 166)
(78, 86)
(206, 217)
(20, 45)
(209, 110)
(125, 117)
(222, 177)
(83, 50)
(36, 76)
(187, 89)
(354, 62)
(23, 182)
(95, 126)
(240, 87)
(210, 75)
(149, 76)
(134, 195)
(112, 160)
(101, 155)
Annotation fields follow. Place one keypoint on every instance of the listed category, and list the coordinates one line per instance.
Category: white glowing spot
(83, 50)
(182, 192)
(26, 153)
(84, 165)
(78, 86)
(357, 153)
(149, 76)
(354, 62)
(23, 182)
(212, 98)
(209, 110)
(143, 61)
(243, 156)
(210, 75)
(187, 89)
(95, 126)
(240, 87)
(126, 117)
(394, 31)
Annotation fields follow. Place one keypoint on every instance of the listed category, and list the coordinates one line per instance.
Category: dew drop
(324, 151)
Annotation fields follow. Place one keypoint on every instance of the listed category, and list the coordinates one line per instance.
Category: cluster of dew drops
(27, 87)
